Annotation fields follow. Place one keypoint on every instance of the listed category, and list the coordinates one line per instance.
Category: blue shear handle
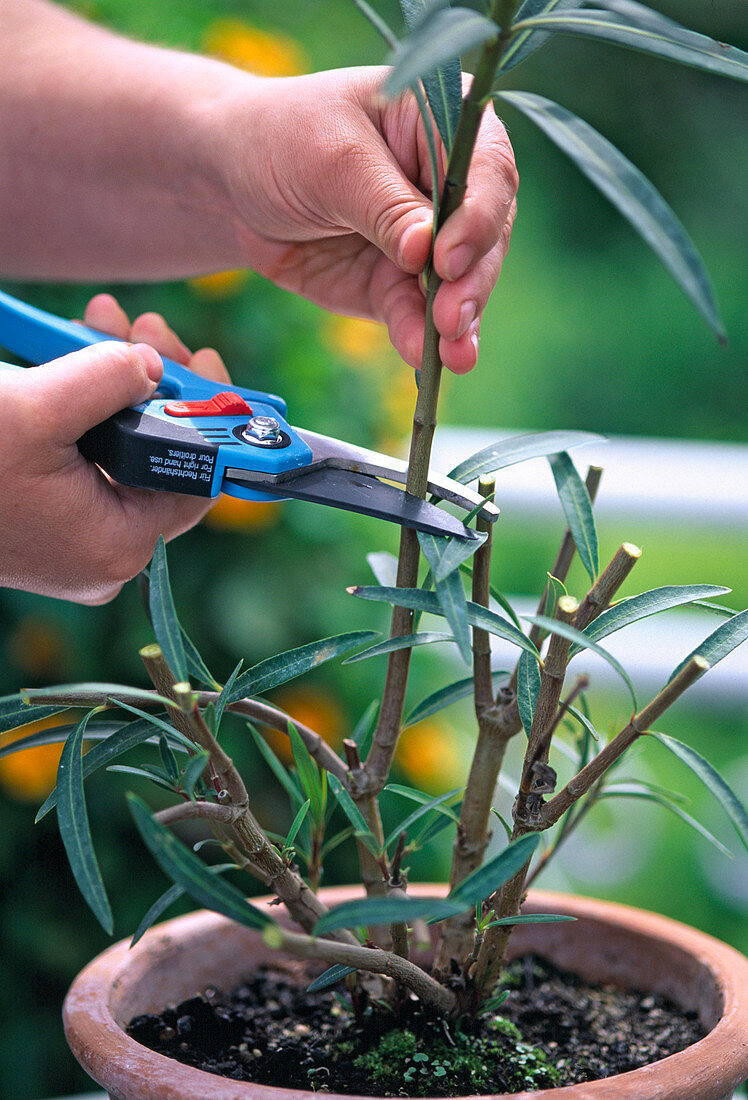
(38, 336)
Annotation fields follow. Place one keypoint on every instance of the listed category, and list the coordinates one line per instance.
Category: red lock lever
(222, 404)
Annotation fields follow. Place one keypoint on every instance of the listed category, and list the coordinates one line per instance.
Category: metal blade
(357, 493)
(328, 452)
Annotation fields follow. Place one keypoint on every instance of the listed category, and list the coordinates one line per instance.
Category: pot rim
(716, 1064)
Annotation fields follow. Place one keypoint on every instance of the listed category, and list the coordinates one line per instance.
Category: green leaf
(444, 697)
(438, 40)
(634, 608)
(575, 501)
(295, 662)
(712, 780)
(124, 738)
(384, 910)
(630, 192)
(427, 807)
(487, 879)
(312, 780)
(445, 554)
(364, 728)
(14, 712)
(75, 830)
(443, 87)
(384, 567)
(501, 600)
(402, 641)
(55, 735)
(286, 780)
(225, 695)
(193, 772)
(420, 796)
(196, 667)
(185, 869)
(525, 43)
(728, 636)
(296, 824)
(528, 688)
(530, 918)
(449, 589)
(553, 626)
(330, 977)
(354, 815)
(156, 722)
(630, 791)
(159, 907)
(639, 28)
(153, 775)
(519, 448)
(418, 600)
(163, 613)
(168, 759)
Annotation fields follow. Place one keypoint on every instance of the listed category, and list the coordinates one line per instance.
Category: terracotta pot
(608, 942)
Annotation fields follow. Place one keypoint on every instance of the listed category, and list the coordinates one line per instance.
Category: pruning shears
(194, 436)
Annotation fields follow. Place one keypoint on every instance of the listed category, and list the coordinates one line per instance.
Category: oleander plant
(170, 734)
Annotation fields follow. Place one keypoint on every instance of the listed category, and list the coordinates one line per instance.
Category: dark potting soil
(271, 1031)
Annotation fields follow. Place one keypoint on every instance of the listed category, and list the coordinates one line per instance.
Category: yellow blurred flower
(29, 775)
(221, 284)
(429, 754)
(364, 343)
(232, 514)
(254, 50)
(37, 647)
(314, 709)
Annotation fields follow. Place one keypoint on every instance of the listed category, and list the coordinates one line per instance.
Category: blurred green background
(585, 331)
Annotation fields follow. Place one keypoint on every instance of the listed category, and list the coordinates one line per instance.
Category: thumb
(386, 208)
(78, 391)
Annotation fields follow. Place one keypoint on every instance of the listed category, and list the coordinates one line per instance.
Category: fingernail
(475, 338)
(152, 361)
(459, 260)
(418, 228)
(468, 311)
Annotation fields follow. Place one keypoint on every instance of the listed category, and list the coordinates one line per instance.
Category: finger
(460, 356)
(479, 224)
(65, 398)
(151, 328)
(457, 305)
(105, 314)
(376, 200)
(209, 364)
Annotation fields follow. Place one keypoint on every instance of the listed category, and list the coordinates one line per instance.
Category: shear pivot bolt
(262, 429)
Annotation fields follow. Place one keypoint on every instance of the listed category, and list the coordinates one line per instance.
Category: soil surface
(271, 1031)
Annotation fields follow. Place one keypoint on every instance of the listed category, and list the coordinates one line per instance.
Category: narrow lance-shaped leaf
(634, 608)
(630, 192)
(519, 448)
(427, 807)
(419, 600)
(295, 662)
(402, 641)
(332, 975)
(167, 899)
(446, 554)
(75, 830)
(185, 869)
(631, 791)
(445, 696)
(286, 780)
(364, 728)
(728, 636)
(636, 27)
(225, 695)
(415, 795)
(495, 872)
(438, 39)
(386, 910)
(575, 501)
(163, 613)
(712, 780)
(443, 87)
(528, 689)
(15, 712)
(449, 590)
(354, 815)
(55, 735)
(312, 779)
(196, 666)
(522, 45)
(296, 824)
(553, 626)
(193, 772)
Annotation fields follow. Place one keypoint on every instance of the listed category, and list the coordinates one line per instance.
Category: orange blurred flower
(429, 753)
(220, 284)
(314, 709)
(364, 343)
(254, 50)
(29, 775)
(232, 514)
(37, 647)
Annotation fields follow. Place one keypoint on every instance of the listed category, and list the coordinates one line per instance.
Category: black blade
(360, 493)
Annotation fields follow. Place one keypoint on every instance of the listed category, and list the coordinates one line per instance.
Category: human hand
(67, 529)
(334, 189)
